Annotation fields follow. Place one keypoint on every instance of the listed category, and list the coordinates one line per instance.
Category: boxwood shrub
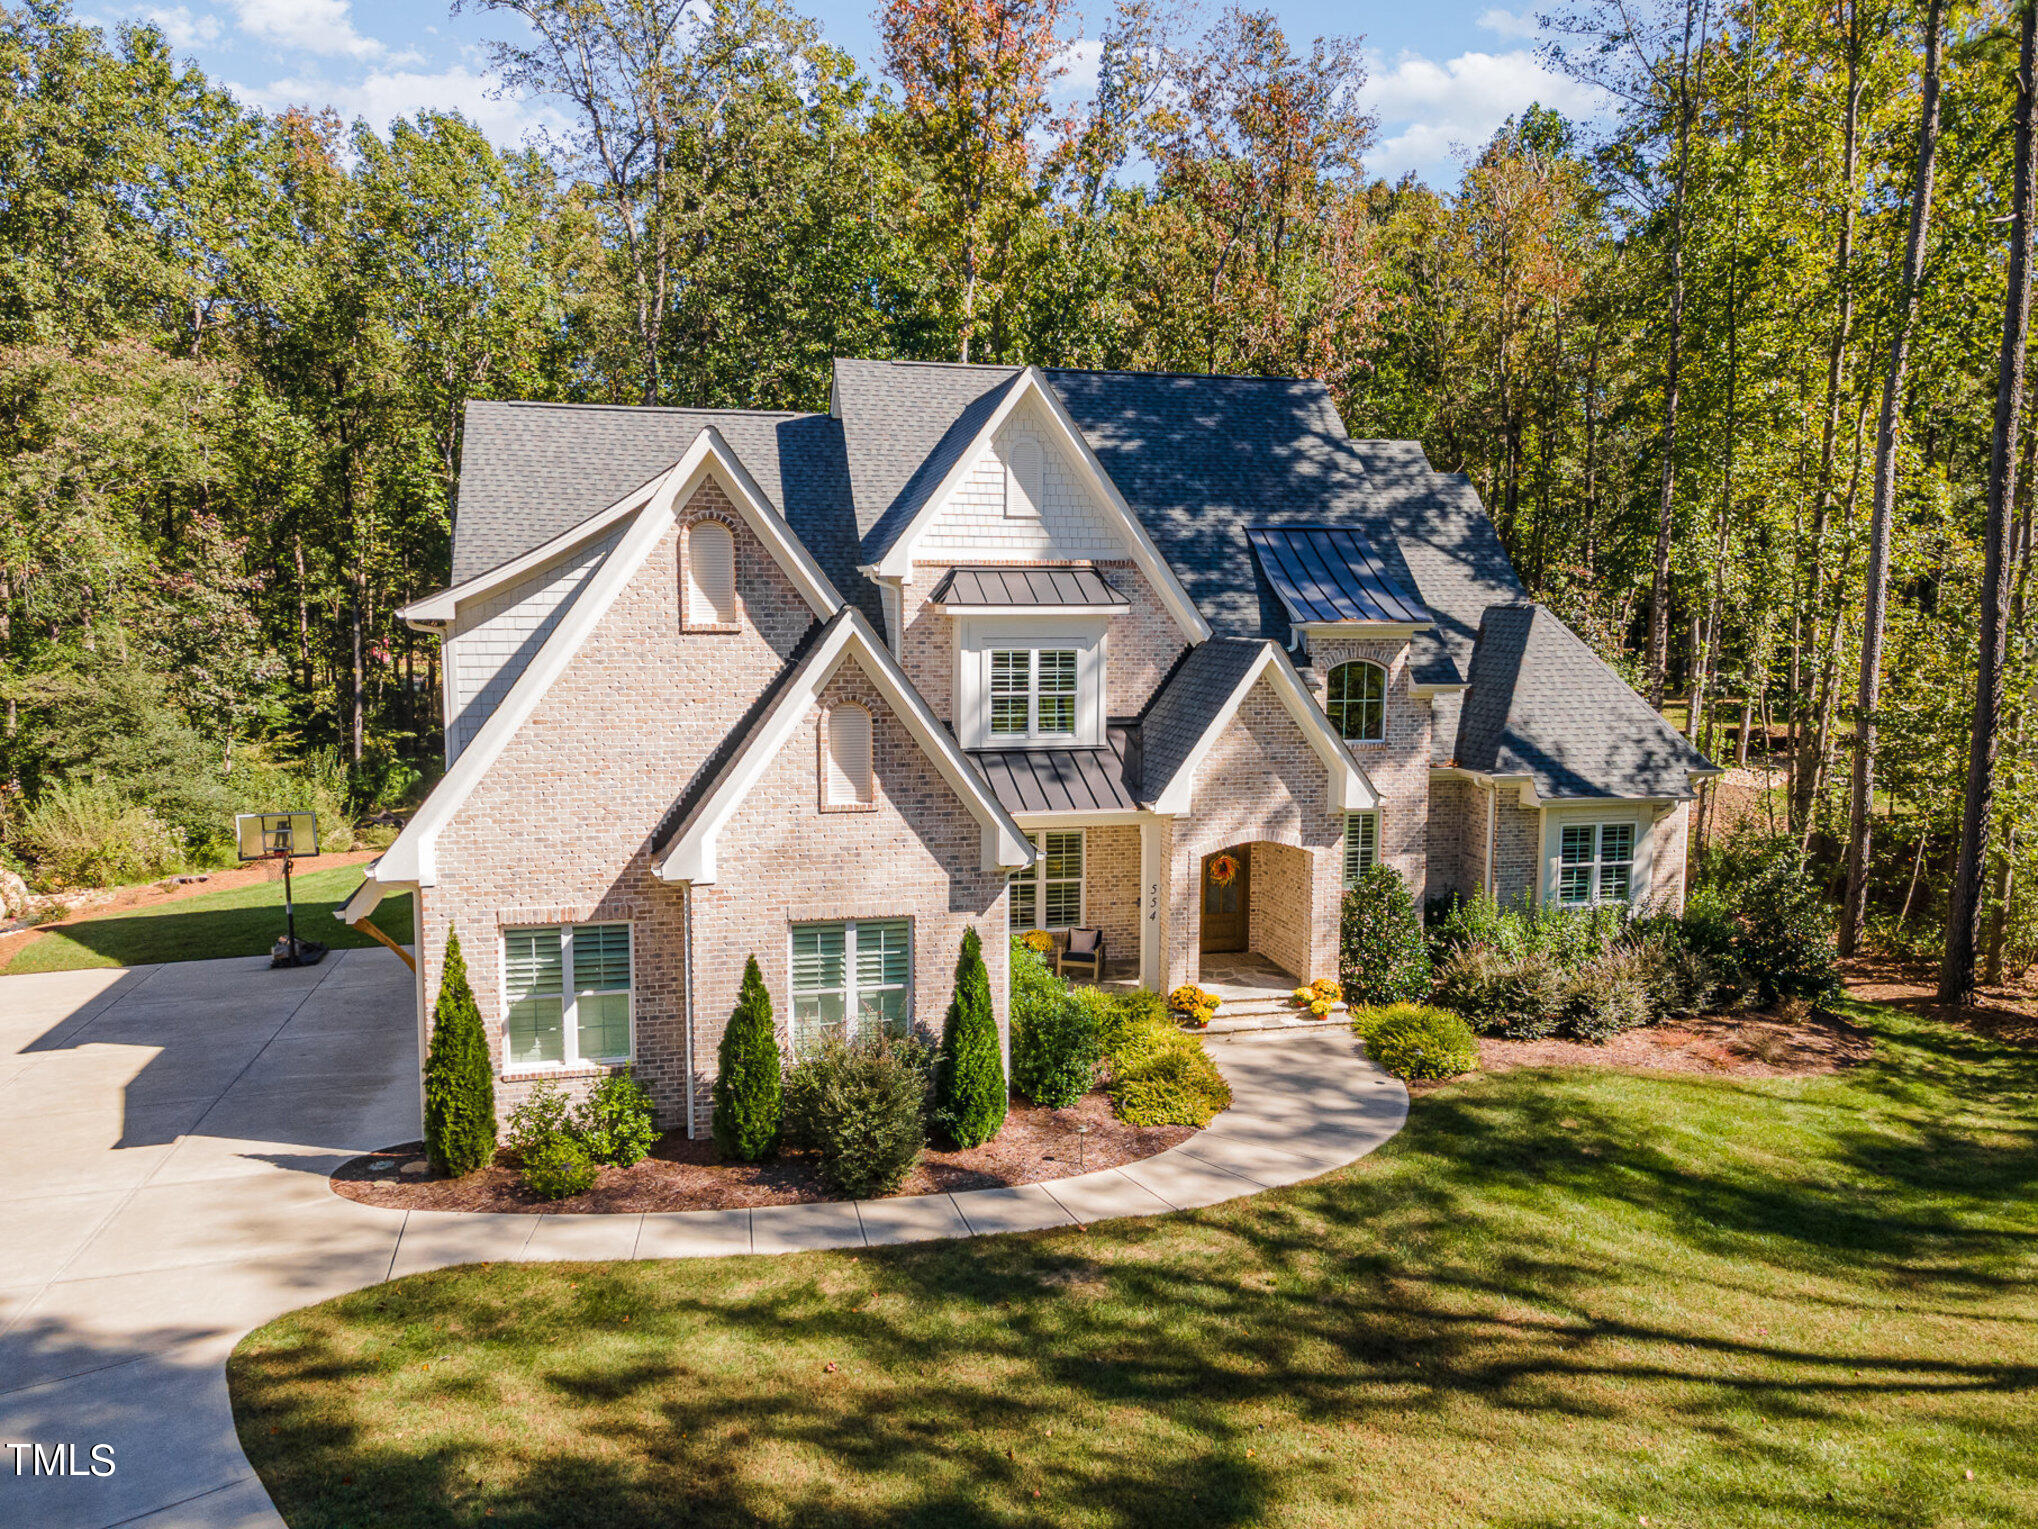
(559, 1169)
(1416, 1041)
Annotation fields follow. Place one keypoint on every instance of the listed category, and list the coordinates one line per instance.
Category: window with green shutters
(568, 994)
(1049, 893)
(859, 971)
(1362, 843)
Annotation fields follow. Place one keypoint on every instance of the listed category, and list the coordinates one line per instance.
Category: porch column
(1153, 901)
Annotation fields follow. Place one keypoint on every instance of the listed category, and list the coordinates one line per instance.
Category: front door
(1226, 899)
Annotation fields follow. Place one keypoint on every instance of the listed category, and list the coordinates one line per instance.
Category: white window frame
(1328, 702)
(570, 995)
(1367, 853)
(978, 638)
(1035, 876)
(850, 928)
(1596, 824)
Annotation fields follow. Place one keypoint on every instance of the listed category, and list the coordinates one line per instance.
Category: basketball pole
(289, 911)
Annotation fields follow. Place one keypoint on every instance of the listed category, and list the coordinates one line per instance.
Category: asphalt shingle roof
(530, 471)
(1181, 710)
(1542, 704)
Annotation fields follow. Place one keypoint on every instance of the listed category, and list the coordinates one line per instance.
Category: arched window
(846, 769)
(710, 575)
(1358, 702)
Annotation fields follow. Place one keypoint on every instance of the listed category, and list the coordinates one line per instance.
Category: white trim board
(897, 561)
(1350, 790)
(692, 855)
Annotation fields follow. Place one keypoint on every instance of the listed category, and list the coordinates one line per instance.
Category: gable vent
(848, 762)
(1025, 468)
(711, 575)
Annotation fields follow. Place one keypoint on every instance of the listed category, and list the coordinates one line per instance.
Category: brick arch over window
(1356, 701)
(846, 773)
(709, 576)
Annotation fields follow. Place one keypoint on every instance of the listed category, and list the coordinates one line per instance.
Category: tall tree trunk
(1690, 74)
(1868, 695)
(1804, 769)
(1956, 973)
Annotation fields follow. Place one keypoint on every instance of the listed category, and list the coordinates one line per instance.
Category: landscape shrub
(969, 1087)
(616, 1121)
(1034, 987)
(861, 1105)
(1520, 995)
(1175, 1085)
(545, 1115)
(1608, 994)
(1417, 1041)
(559, 1169)
(1382, 955)
(459, 1076)
(1680, 976)
(1785, 944)
(82, 835)
(1056, 1050)
(1366, 1020)
(749, 1094)
(1569, 936)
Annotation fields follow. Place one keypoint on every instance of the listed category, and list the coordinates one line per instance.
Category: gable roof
(531, 473)
(687, 852)
(1198, 702)
(1544, 707)
(1331, 574)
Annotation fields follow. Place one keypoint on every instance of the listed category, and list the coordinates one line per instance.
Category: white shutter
(1024, 465)
(711, 575)
(848, 762)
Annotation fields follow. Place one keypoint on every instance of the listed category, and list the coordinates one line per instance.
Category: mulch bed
(1738, 1045)
(1035, 1144)
(2008, 1014)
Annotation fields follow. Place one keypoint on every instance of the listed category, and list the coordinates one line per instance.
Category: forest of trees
(1729, 362)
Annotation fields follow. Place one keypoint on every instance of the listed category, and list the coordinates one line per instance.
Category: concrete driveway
(165, 1137)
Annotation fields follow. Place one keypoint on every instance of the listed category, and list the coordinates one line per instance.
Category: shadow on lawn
(208, 933)
(1546, 1270)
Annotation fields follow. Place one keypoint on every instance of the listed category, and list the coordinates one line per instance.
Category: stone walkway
(165, 1137)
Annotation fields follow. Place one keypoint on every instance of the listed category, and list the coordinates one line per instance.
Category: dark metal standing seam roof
(1026, 586)
(1056, 780)
(1332, 573)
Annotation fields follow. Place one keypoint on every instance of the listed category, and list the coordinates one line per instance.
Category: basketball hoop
(282, 836)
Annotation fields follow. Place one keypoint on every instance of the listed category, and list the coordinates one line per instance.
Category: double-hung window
(1033, 692)
(1049, 893)
(1595, 863)
(1362, 844)
(568, 994)
(851, 979)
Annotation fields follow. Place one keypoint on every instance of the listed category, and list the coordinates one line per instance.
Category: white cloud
(1080, 62)
(1428, 110)
(1506, 23)
(183, 29)
(387, 94)
(324, 27)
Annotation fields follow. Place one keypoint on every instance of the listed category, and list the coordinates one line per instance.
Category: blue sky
(1444, 74)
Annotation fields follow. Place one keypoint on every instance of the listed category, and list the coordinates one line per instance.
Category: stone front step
(1270, 1014)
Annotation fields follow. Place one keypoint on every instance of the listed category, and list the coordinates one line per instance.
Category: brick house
(1168, 656)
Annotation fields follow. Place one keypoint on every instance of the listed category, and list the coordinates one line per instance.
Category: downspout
(686, 1001)
(1492, 840)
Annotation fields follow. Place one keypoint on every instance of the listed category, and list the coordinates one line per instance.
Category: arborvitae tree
(1382, 955)
(459, 1080)
(748, 1088)
(969, 1087)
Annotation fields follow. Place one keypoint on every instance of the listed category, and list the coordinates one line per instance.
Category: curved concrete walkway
(165, 1137)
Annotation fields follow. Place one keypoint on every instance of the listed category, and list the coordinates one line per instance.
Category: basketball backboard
(276, 835)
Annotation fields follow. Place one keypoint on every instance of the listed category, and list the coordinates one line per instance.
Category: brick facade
(1399, 765)
(1261, 782)
(560, 828)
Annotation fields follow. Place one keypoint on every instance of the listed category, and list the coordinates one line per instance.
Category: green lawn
(1558, 1298)
(245, 921)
